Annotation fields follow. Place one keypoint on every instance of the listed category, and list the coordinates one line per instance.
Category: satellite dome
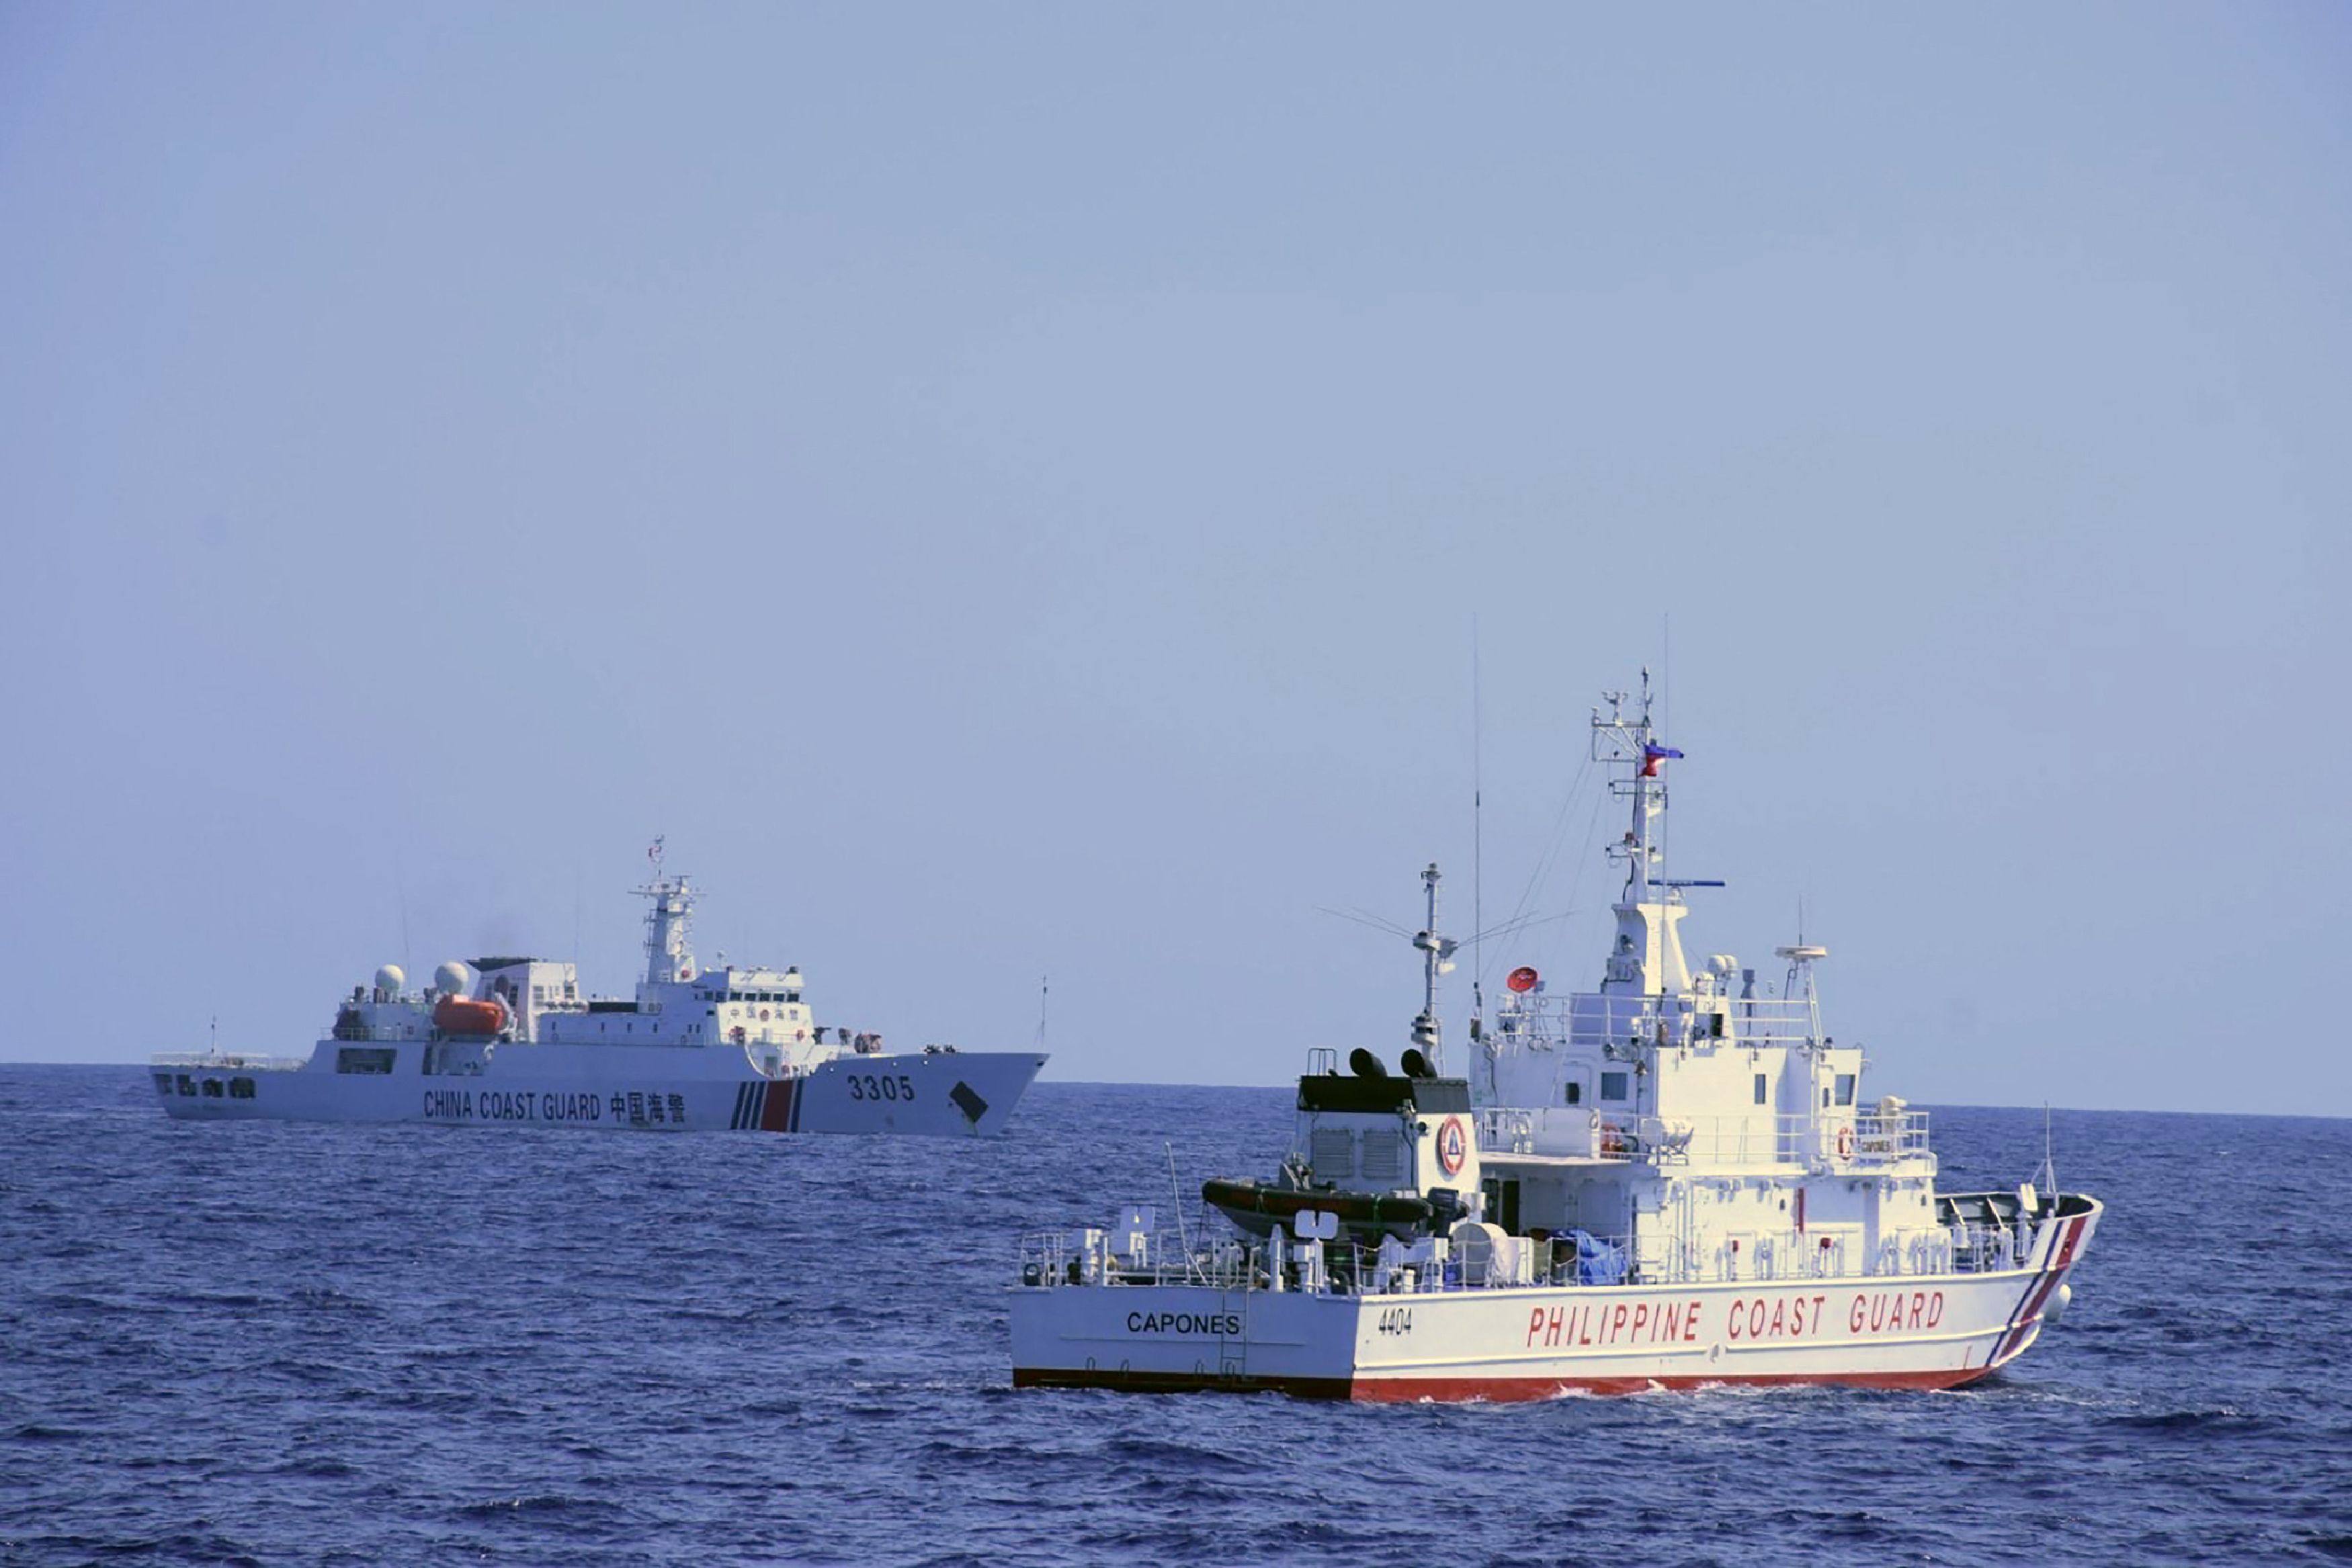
(390, 978)
(453, 978)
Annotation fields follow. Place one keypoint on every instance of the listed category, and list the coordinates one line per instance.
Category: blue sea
(287, 1343)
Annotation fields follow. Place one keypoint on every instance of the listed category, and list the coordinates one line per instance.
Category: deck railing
(1841, 1138)
(1594, 1020)
(1434, 1264)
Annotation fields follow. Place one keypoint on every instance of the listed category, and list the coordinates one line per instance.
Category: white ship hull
(509, 1041)
(622, 1088)
(1532, 1343)
(1671, 1181)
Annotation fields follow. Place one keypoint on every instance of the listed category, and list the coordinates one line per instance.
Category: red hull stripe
(2026, 1299)
(2062, 1257)
(1403, 1390)
(777, 1106)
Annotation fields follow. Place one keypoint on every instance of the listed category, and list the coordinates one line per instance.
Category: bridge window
(1845, 1088)
(1612, 1086)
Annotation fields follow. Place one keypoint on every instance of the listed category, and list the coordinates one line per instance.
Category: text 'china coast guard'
(1672, 1180)
(511, 1042)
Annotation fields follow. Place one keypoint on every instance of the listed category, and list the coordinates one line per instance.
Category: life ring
(1452, 1147)
(1845, 1143)
(738, 1034)
(763, 1014)
(800, 1034)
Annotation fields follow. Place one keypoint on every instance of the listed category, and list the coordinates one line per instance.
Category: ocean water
(277, 1343)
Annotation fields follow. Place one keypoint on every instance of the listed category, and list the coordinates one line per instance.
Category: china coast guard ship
(511, 1042)
(1670, 1181)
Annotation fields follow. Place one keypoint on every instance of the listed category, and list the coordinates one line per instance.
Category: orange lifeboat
(456, 1014)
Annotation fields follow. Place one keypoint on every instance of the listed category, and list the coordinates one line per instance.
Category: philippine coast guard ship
(1666, 1182)
(512, 1042)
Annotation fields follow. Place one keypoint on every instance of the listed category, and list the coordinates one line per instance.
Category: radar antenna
(1799, 984)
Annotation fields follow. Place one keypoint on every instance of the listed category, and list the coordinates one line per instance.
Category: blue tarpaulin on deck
(1598, 1262)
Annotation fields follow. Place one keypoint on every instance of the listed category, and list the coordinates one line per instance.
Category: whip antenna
(1176, 1199)
(1477, 842)
(2049, 1168)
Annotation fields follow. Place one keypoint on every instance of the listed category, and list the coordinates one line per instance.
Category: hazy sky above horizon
(1007, 492)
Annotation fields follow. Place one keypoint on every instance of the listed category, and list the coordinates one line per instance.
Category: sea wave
(373, 1344)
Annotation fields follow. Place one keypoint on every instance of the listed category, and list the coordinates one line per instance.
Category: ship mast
(1437, 958)
(668, 960)
(1647, 960)
(1637, 841)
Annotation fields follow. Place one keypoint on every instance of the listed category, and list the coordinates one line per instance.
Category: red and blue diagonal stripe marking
(765, 1106)
(2028, 1307)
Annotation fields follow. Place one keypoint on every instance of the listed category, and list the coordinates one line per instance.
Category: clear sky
(1007, 491)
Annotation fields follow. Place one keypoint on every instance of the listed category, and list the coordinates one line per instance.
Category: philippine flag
(1652, 755)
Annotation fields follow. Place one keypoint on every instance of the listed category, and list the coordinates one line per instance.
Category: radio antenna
(2049, 1168)
(400, 882)
(1176, 1201)
(1477, 840)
